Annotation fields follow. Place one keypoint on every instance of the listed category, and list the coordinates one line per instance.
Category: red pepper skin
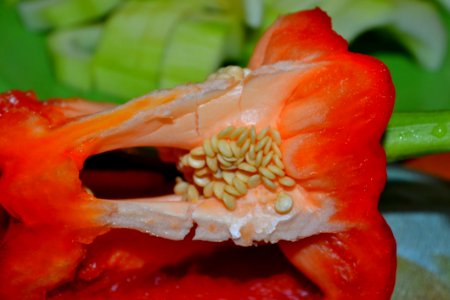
(35, 259)
(355, 264)
(339, 156)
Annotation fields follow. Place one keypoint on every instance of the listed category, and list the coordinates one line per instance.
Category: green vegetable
(195, 49)
(414, 134)
(127, 60)
(46, 14)
(72, 51)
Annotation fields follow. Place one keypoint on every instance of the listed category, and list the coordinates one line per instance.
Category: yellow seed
(207, 147)
(262, 134)
(276, 149)
(226, 132)
(266, 173)
(224, 148)
(198, 151)
(251, 153)
(283, 203)
(230, 159)
(268, 183)
(201, 172)
(278, 162)
(178, 179)
(192, 193)
(229, 168)
(246, 167)
(261, 143)
(212, 164)
(208, 190)
(201, 181)
(235, 149)
(253, 134)
(218, 189)
(254, 181)
(277, 171)
(218, 174)
(276, 136)
(242, 176)
(242, 137)
(239, 185)
(266, 160)
(228, 177)
(287, 181)
(196, 163)
(215, 143)
(232, 190)
(245, 148)
(236, 132)
(259, 158)
(268, 146)
(249, 160)
(229, 201)
(223, 162)
(181, 188)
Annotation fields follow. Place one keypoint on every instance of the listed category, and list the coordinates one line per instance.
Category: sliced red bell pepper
(331, 121)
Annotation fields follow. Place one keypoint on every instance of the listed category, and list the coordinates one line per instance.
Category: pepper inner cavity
(233, 161)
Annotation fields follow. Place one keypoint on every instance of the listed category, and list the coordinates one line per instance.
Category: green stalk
(410, 135)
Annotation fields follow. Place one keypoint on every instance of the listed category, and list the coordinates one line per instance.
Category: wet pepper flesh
(321, 109)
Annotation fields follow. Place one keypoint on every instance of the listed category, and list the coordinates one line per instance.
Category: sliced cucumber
(46, 14)
(128, 58)
(196, 49)
(127, 85)
(72, 52)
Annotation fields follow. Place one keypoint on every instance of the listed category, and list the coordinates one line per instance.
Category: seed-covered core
(233, 161)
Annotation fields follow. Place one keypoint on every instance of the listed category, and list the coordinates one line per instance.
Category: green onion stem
(410, 135)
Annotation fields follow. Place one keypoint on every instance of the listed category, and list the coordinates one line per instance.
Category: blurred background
(114, 50)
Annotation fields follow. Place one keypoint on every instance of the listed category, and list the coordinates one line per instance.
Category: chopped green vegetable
(127, 62)
(46, 14)
(72, 51)
(196, 49)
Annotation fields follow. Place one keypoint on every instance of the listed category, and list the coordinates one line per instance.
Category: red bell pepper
(329, 108)
(340, 153)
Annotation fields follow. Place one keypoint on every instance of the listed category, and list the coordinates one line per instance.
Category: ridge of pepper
(233, 161)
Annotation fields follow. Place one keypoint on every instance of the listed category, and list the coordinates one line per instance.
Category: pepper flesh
(330, 157)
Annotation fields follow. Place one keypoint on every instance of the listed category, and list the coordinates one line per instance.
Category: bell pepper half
(286, 151)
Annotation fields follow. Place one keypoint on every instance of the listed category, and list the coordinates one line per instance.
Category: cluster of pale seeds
(233, 161)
